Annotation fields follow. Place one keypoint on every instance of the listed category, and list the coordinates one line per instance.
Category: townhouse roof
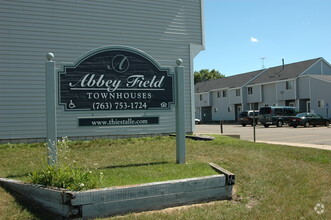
(323, 77)
(226, 82)
(278, 73)
(288, 71)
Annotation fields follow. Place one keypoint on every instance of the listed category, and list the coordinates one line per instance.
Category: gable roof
(326, 78)
(226, 82)
(288, 71)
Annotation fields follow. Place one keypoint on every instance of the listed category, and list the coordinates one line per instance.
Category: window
(253, 106)
(288, 85)
(218, 94)
(224, 93)
(237, 92)
(278, 111)
(289, 111)
(201, 97)
(250, 90)
(320, 103)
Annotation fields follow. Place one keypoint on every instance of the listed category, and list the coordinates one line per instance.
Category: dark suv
(277, 115)
(246, 117)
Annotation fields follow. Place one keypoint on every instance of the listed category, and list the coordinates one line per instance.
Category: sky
(247, 35)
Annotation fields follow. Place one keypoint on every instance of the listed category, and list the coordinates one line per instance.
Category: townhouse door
(238, 109)
(206, 114)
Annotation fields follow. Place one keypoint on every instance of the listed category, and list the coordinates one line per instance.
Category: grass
(272, 181)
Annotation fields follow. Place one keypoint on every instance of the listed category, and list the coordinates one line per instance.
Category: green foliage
(65, 174)
(65, 177)
(205, 74)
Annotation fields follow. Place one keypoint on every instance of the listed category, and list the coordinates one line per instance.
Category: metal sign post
(180, 114)
(254, 125)
(51, 137)
(327, 110)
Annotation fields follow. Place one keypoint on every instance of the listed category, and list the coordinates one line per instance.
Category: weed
(65, 173)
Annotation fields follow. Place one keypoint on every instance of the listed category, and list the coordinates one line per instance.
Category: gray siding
(303, 87)
(326, 69)
(315, 69)
(269, 94)
(283, 93)
(256, 96)
(202, 99)
(323, 93)
(233, 98)
(29, 29)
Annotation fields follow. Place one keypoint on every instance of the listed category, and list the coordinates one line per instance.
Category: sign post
(51, 137)
(180, 114)
(327, 110)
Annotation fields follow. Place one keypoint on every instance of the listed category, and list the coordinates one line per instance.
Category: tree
(205, 74)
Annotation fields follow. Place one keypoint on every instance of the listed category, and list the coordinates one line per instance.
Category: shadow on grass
(135, 165)
(34, 208)
(18, 176)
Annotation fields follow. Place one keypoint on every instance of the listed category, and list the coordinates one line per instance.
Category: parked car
(246, 117)
(276, 115)
(306, 119)
(197, 121)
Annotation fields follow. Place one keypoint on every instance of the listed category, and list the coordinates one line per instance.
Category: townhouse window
(250, 90)
(201, 97)
(289, 85)
(237, 92)
(224, 93)
(320, 103)
(218, 94)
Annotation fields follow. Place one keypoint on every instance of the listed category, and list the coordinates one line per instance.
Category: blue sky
(238, 33)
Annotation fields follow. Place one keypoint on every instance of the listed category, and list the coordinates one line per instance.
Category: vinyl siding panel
(283, 93)
(304, 87)
(269, 95)
(233, 98)
(326, 69)
(323, 93)
(256, 95)
(69, 29)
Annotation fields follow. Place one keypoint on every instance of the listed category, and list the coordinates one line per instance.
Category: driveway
(316, 137)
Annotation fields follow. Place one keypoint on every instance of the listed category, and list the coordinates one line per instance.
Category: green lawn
(272, 182)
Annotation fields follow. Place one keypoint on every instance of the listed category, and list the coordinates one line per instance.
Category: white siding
(30, 29)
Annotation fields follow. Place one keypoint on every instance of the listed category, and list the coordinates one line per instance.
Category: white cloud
(253, 39)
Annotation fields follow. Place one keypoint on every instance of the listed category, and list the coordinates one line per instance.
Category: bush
(64, 177)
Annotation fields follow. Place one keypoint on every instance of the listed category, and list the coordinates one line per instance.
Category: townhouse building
(305, 84)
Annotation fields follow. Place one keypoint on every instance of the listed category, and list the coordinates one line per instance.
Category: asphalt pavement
(313, 137)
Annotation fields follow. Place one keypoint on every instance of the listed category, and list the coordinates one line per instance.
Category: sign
(102, 121)
(115, 79)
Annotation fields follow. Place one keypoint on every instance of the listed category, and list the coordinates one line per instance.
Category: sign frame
(128, 107)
